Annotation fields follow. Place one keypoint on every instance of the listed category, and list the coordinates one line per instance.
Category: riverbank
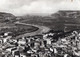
(42, 29)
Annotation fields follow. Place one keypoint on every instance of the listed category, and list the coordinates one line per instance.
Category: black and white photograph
(39, 28)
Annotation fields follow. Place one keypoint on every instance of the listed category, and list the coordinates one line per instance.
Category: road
(42, 29)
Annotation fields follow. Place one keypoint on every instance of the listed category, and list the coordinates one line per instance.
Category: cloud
(22, 7)
(70, 5)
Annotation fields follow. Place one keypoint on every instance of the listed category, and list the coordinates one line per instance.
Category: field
(55, 23)
(17, 29)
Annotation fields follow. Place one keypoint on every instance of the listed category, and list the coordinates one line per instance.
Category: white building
(23, 42)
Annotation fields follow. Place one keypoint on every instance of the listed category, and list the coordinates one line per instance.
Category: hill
(6, 17)
(61, 20)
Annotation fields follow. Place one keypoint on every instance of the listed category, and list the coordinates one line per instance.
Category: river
(42, 29)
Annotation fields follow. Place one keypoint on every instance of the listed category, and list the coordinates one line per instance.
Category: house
(1, 40)
(6, 38)
(21, 41)
(55, 51)
(48, 41)
(7, 33)
(6, 53)
(11, 49)
(22, 55)
(51, 49)
(65, 55)
(30, 51)
(16, 54)
(21, 48)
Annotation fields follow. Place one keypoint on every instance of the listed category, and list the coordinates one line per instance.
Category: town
(51, 44)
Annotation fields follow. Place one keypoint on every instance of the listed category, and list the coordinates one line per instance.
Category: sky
(22, 7)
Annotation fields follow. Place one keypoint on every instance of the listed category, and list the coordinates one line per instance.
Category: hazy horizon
(37, 7)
